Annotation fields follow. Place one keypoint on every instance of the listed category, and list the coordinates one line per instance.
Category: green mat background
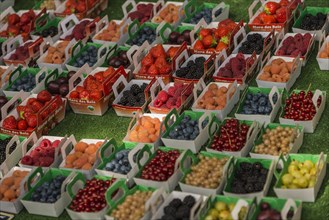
(112, 126)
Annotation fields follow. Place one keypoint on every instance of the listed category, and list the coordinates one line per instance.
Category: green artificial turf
(112, 126)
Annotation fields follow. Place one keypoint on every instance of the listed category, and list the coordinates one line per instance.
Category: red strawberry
(148, 60)
(44, 96)
(27, 160)
(163, 96)
(31, 100)
(13, 19)
(22, 125)
(158, 51)
(171, 90)
(96, 95)
(204, 32)
(10, 122)
(143, 70)
(165, 69)
(74, 95)
(153, 70)
(160, 62)
(198, 45)
(31, 121)
(157, 103)
(36, 106)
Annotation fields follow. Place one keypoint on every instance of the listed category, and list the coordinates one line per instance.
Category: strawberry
(74, 95)
(13, 30)
(172, 52)
(165, 69)
(44, 96)
(22, 125)
(271, 7)
(281, 14)
(31, 100)
(36, 106)
(13, 19)
(31, 121)
(225, 40)
(148, 60)
(158, 51)
(159, 62)
(222, 32)
(198, 45)
(157, 103)
(10, 123)
(221, 46)
(143, 70)
(204, 33)
(84, 95)
(209, 41)
(153, 70)
(96, 95)
(269, 19)
(163, 96)
(79, 89)
(99, 77)
(21, 110)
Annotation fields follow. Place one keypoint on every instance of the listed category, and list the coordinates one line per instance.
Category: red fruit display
(19, 24)
(156, 61)
(300, 107)
(143, 13)
(210, 38)
(172, 98)
(79, 31)
(161, 167)
(235, 68)
(10, 122)
(294, 45)
(74, 6)
(22, 52)
(43, 155)
(93, 88)
(233, 135)
(92, 197)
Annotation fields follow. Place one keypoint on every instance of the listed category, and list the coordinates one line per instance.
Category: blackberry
(200, 61)
(127, 93)
(3, 144)
(141, 95)
(257, 166)
(182, 72)
(143, 87)
(168, 217)
(189, 201)
(175, 203)
(169, 210)
(183, 212)
(190, 63)
(124, 100)
(131, 101)
(313, 22)
(135, 89)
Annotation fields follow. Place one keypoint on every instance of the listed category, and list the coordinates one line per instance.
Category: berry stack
(133, 97)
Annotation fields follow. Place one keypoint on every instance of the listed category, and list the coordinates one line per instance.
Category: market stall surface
(112, 126)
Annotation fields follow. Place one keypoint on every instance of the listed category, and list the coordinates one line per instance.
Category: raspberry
(163, 96)
(171, 91)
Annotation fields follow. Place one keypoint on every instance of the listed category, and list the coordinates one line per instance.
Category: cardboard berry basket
(323, 62)
(304, 194)
(165, 29)
(68, 148)
(136, 121)
(107, 154)
(186, 97)
(157, 6)
(119, 192)
(268, 45)
(10, 88)
(296, 28)
(103, 25)
(91, 106)
(158, 17)
(297, 64)
(123, 85)
(42, 62)
(61, 10)
(232, 98)
(182, 61)
(12, 156)
(78, 183)
(43, 23)
(80, 48)
(268, 164)
(9, 45)
(47, 118)
(202, 24)
(309, 125)
(180, 195)
(173, 119)
(193, 7)
(42, 208)
(189, 160)
(215, 130)
(57, 151)
(145, 155)
(251, 67)
(33, 51)
(14, 206)
(135, 27)
(279, 42)
(283, 206)
(68, 29)
(4, 78)
(294, 144)
(239, 205)
(253, 13)
(266, 119)
(115, 50)
(143, 51)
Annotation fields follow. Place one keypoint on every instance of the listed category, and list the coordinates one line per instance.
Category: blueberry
(189, 130)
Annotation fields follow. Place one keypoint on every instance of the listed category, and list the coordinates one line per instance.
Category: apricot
(153, 137)
(18, 181)
(10, 194)
(24, 173)
(92, 158)
(212, 86)
(68, 166)
(81, 161)
(91, 149)
(87, 166)
(81, 146)
(323, 54)
(8, 181)
(70, 158)
(223, 89)
(3, 188)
